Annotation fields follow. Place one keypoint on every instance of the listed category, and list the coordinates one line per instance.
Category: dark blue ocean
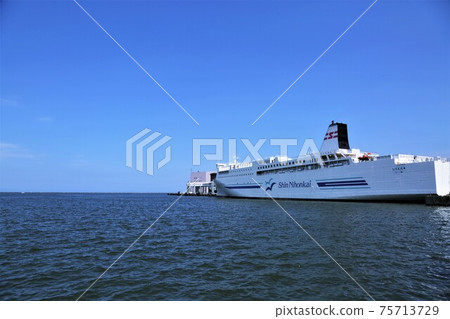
(54, 245)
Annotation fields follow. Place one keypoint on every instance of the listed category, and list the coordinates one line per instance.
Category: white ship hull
(382, 180)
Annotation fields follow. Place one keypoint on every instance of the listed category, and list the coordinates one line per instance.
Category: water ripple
(55, 245)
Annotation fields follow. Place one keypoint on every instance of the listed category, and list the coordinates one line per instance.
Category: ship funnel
(335, 138)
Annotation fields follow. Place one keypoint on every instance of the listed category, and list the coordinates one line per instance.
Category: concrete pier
(436, 200)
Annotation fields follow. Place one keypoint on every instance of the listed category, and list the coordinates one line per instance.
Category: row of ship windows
(234, 175)
(304, 167)
(298, 168)
(330, 157)
(290, 169)
(284, 164)
(238, 170)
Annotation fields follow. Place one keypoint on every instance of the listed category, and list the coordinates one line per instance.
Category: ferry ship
(337, 172)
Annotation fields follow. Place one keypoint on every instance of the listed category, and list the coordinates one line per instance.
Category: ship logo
(269, 182)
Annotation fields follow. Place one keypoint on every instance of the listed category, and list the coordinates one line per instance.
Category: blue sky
(70, 98)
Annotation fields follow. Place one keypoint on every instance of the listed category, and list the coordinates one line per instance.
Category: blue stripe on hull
(328, 188)
(338, 179)
(239, 187)
(361, 182)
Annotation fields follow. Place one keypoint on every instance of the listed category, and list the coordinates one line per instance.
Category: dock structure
(201, 183)
(436, 200)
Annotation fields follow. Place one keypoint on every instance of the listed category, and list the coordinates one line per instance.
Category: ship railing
(408, 159)
(384, 157)
(231, 166)
(315, 161)
(303, 159)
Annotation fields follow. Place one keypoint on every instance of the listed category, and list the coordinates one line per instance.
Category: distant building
(201, 183)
